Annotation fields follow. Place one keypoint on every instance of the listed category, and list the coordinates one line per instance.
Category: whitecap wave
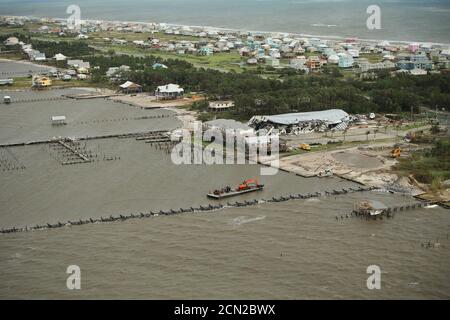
(244, 219)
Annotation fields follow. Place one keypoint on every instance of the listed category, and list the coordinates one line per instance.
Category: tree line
(293, 92)
(255, 95)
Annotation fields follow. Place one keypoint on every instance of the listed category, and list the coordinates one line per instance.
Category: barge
(247, 186)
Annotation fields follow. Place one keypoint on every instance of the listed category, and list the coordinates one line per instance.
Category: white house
(220, 105)
(333, 59)
(59, 57)
(78, 64)
(57, 120)
(115, 71)
(418, 72)
(11, 41)
(169, 91)
(129, 86)
(39, 56)
(353, 52)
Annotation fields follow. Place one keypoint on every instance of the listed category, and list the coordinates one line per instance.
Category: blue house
(416, 62)
(421, 61)
(405, 65)
(345, 61)
(205, 51)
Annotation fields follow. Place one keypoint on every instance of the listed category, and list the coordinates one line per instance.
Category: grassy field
(430, 166)
(13, 55)
(132, 36)
(372, 57)
(220, 61)
(19, 83)
(6, 30)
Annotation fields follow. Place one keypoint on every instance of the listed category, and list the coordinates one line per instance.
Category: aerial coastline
(239, 30)
(354, 132)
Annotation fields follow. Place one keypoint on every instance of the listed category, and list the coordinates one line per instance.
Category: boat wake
(244, 219)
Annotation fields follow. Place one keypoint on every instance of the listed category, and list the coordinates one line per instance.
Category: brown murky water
(14, 69)
(292, 250)
(24, 121)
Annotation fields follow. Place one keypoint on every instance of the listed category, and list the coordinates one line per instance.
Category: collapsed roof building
(303, 122)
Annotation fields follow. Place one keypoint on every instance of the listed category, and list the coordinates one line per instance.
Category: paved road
(353, 134)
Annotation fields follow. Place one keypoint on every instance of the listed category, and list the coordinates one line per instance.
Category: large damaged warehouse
(303, 122)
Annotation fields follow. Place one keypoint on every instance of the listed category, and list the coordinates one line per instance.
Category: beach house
(313, 63)
(345, 60)
(169, 91)
(59, 57)
(130, 87)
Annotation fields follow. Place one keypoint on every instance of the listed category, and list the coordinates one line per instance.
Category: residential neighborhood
(272, 51)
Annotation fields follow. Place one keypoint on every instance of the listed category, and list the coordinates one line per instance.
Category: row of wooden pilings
(37, 99)
(108, 136)
(210, 207)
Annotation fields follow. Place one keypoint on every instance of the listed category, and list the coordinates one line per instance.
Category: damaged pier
(201, 208)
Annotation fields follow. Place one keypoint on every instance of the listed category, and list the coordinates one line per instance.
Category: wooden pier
(91, 95)
(375, 209)
(48, 99)
(120, 136)
(81, 157)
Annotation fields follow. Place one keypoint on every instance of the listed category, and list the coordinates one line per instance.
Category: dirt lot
(146, 101)
(369, 165)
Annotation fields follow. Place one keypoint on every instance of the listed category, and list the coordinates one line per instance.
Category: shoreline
(266, 33)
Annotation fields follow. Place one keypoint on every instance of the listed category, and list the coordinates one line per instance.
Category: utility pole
(436, 115)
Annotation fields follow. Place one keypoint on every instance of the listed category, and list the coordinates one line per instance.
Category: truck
(305, 146)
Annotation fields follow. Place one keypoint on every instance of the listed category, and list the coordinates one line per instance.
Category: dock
(154, 137)
(81, 157)
(91, 95)
(48, 99)
(119, 136)
(374, 209)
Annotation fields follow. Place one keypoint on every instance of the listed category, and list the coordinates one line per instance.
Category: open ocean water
(407, 20)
